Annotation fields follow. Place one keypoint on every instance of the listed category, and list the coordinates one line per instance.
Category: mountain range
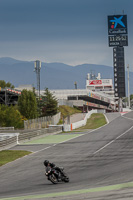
(53, 75)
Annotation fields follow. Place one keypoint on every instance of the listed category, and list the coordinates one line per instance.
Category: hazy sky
(69, 31)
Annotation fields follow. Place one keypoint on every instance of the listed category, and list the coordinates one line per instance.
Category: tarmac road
(100, 158)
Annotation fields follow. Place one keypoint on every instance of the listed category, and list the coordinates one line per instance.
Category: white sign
(102, 82)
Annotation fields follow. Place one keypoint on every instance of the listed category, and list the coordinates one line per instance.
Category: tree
(131, 96)
(27, 104)
(3, 84)
(48, 104)
(10, 117)
(13, 117)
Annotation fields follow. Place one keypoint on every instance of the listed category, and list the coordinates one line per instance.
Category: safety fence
(26, 135)
(42, 122)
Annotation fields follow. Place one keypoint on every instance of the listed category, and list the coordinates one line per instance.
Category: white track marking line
(112, 141)
(57, 144)
(127, 118)
(68, 139)
(53, 145)
(106, 118)
(72, 139)
(42, 149)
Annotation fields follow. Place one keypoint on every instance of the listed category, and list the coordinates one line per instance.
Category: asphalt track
(97, 161)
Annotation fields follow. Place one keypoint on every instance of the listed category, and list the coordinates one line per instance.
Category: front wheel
(53, 179)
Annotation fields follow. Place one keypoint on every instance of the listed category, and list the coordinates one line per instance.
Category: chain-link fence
(42, 122)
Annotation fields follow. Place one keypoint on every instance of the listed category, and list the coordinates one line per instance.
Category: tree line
(29, 107)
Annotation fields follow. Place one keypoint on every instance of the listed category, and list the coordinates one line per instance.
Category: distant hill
(53, 75)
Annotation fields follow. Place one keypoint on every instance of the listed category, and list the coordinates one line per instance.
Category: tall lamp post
(128, 86)
(37, 68)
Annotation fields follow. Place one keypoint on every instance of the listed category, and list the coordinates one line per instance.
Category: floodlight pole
(37, 69)
(128, 86)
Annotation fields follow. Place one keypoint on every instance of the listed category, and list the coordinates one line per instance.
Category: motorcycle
(55, 176)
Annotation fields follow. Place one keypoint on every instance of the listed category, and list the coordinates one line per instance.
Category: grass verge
(67, 110)
(95, 121)
(11, 155)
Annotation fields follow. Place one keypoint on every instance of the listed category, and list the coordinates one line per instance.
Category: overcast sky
(69, 31)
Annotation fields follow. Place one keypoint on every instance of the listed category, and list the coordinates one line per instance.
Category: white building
(22, 87)
(99, 94)
(98, 84)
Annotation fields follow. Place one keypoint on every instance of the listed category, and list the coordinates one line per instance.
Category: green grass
(67, 110)
(95, 121)
(11, 155)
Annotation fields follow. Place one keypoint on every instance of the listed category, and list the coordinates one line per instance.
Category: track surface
(100, 158)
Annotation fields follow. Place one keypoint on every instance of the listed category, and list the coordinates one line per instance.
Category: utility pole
(5, 97)
(75, 83)
(128, 86)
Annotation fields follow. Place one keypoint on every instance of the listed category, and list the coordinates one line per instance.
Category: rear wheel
(65, 177)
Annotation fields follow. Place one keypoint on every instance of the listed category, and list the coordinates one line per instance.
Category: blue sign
(117, 24)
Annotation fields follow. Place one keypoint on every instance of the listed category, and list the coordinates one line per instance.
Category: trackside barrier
(82, 122)
(67, 127)
(8, 142)
(25, 135)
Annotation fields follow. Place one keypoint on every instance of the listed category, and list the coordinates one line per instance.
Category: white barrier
(67, 127)
(82, 122)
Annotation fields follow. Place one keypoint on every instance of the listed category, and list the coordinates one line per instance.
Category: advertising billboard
(101, 82)
(117, 24)
(95, 82)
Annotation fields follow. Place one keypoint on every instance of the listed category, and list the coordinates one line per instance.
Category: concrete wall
(101, 111)
(65, 102)
(56, 118)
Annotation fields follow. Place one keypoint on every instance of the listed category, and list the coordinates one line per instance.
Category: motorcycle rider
(52, 165)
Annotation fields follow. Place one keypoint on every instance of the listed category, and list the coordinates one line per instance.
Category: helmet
(46, 162)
